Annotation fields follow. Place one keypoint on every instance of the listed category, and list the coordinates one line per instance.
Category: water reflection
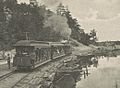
(105, 76)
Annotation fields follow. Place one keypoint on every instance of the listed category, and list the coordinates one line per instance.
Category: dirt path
(107, 75)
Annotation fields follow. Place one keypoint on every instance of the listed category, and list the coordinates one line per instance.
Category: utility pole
(116, 85)
(26, 34)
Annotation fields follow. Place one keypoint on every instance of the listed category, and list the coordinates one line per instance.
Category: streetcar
(31, 53)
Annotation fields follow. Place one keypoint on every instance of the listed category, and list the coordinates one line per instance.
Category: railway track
(10, 79)
(6, 75)
(15, 79)
(34, 78)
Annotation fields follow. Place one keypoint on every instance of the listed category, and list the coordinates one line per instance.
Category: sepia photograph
(59, 43)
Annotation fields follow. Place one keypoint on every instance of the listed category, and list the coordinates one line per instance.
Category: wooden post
(84, 75)
(86, 70)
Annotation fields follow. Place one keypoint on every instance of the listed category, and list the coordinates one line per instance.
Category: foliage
(58, 25)
(17, 19)
(93, 36)
(76, 31)
(38, 23)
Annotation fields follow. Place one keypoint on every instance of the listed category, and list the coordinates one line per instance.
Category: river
(107, 75)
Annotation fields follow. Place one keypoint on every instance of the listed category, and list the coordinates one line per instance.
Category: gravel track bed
(11, 80)
(33, 80)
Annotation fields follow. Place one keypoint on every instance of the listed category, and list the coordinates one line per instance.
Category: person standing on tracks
(8, 61)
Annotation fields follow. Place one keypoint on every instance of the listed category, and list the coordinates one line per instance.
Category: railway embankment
(44, 76)
(63, 73)
(56, 73)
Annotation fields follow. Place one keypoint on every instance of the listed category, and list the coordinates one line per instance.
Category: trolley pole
(26, 34)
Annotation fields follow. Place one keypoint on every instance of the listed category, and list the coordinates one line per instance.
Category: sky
(101, 15)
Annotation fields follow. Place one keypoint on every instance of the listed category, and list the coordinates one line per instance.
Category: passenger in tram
(44, 55)
(25, 52)
(58, 52)
(32, 57)
(37, 53)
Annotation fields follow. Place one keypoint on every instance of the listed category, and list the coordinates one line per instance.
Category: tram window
(18, 52)
(25, 50)
(60, 49)
(44, 54)
(40, 54)
(37, 53)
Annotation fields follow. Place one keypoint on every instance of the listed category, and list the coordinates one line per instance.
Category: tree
(2, 14)
(93, 36)
(10, 4)
(85, 38)
(22, 18)
(76, 31)
(61, 10)
(59, 27)
(72, 23)
(3, 25)
(26, 18)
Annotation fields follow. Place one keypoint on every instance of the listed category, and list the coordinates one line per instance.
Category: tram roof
(31, 43)
(85, 55)
(37, 43)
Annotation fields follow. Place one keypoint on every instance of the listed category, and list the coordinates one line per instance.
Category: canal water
(106, 75)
